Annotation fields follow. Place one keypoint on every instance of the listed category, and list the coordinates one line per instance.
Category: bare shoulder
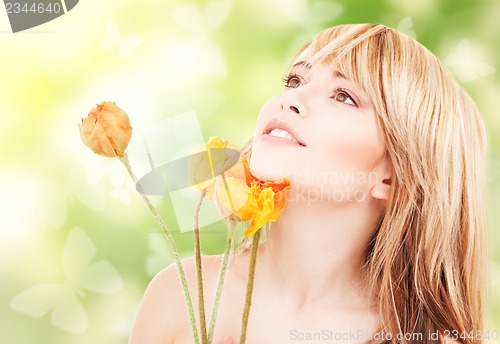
(157, 318)
(162, 313)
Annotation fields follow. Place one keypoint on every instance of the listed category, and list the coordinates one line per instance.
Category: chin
(266, 174)
(267, 168)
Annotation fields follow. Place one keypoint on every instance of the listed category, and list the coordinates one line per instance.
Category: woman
(382, 236)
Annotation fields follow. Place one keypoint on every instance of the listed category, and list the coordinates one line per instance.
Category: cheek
(269, 109)
(351, 147)
(359, 145)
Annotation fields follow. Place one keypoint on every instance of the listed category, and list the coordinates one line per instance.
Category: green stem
(199, 274)
(220, 283)
(222, 273)
(251, 277)
(124, 160)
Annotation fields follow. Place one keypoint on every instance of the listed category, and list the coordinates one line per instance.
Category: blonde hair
(426, 261)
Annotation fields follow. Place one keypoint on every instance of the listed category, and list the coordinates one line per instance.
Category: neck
(317, 250)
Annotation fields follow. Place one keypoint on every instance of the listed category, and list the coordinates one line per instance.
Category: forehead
(307, 52)
(347, 60)
(313, 55)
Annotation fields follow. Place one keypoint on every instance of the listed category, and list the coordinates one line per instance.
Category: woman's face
(321, 133)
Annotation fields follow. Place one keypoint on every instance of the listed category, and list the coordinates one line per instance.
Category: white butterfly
(64, 299)
(313, 15)
(197, 55)
(466, 62)
(406, 26)
(323, 12)
(192, 17)
(126, 45)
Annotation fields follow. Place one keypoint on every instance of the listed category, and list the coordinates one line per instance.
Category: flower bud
(106, 130)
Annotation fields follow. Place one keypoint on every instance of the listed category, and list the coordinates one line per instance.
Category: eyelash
(287, 79)
(340, 90)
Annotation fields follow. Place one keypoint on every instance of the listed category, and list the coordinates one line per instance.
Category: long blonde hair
(426, 261)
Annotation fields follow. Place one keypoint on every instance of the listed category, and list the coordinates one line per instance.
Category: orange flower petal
(204, 168)
(94, 137)
(235, 199)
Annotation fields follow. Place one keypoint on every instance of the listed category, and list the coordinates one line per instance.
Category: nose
(292, 102)
(294, 109)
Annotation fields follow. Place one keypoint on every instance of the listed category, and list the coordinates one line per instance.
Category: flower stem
(251, 277)
(222, 276)
(124, 160)
(199, 274)
(222, 273)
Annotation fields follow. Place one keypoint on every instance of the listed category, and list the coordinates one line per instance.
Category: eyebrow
(337, 74)
(307, 65)
(303, 63)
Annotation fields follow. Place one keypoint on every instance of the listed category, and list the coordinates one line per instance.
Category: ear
(382, 189)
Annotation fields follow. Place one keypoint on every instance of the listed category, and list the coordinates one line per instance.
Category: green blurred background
(63, 208)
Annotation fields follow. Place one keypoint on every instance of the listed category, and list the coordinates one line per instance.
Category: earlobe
(382, 190)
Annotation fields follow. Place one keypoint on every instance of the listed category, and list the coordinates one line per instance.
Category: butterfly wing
(484, 69)
(78, 251)
(38, 300)
(100, 276)
(406, 25)
(111, 37)
(324, 11)
(216, 14)
(129, 44)
(68, 313)
(465, 58)
(187, 15)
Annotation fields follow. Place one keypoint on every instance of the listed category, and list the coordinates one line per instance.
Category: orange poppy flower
(106, 130)
(254, 200)
(236, 191)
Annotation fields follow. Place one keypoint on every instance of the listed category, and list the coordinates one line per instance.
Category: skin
(308, 276)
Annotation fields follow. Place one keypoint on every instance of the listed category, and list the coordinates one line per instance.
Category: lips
(277, 128)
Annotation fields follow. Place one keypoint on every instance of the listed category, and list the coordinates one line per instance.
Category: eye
(343, 96)
(292, 81)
